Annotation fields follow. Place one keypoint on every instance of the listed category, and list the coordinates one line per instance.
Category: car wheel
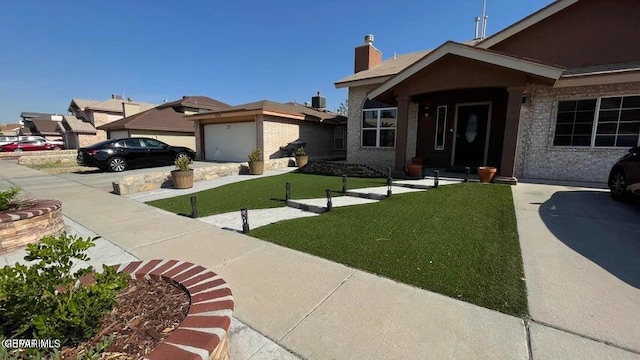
(17, 150)
(117, 164)
(57, 148)
(183, 155)
(618, 185)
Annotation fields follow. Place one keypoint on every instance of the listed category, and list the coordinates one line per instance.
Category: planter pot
(486, 174)
(256, 167)
(418, 160)
(415, 170)
(302, 160)
(182, 179)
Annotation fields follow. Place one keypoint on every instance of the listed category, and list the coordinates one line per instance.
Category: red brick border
(39, 207)
(204, 333)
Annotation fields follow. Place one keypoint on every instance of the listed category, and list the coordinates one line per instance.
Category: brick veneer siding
(378, 157)
(19, 228)
(537, 158)
(204, 332)
(278, 132)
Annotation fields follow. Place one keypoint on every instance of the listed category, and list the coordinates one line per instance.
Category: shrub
(255, 155)
(182, 163)
(7, 197)
(301, 152)
(45, 300)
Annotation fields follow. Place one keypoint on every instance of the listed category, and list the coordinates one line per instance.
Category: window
(151, 143)
(132, 144)
(338, 138)
(379, 127)
(441, 125)
(604, 122)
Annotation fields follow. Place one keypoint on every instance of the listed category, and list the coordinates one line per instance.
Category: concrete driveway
(581, 253)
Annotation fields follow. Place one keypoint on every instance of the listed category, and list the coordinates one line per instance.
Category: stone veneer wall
(379, 157)
(536, 156)
(62, 159)
(19, 228)
(37, 153)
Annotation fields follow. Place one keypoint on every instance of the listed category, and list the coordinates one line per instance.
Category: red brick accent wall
(19, 228)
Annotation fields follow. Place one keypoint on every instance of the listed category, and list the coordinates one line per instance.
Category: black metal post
(329, 203)
(389, 187)
(436, 178)
(388, 172)
(344, 184)
(287, 193)
(466, 173)
(194, 207)
(244, 213)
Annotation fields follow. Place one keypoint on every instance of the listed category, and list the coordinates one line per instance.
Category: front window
(379, 127)
(441, 124)
(603, 122)
(338, 138)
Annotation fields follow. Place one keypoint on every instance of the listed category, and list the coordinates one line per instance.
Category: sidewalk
(315, 308)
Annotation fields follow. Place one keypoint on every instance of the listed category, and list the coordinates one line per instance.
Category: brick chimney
(367, 56)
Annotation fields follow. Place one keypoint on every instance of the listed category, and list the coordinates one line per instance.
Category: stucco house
(553, 96)
(165, 122)
(274, 128)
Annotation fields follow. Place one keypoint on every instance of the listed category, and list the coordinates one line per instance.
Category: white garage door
(229, 142)
(118, 134)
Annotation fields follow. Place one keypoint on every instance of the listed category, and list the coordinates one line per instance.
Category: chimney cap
(368, 39)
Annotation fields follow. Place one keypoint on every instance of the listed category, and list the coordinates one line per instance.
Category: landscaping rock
(340, 168)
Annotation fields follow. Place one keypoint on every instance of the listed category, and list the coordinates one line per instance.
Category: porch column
(401, 134)
(510, 141)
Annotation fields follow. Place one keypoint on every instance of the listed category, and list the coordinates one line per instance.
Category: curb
(204, 332)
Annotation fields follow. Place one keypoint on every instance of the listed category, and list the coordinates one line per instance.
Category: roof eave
(362, 82)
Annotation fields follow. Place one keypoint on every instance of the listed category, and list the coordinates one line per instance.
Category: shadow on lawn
(603, 230)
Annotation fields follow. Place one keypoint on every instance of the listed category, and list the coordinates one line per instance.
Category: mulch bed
(147, 312)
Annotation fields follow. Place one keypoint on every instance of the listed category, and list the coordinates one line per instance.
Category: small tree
(343, 108)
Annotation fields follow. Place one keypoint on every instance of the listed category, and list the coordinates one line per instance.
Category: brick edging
(204, 332)
(39, 207)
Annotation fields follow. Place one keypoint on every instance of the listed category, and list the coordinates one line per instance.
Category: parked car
(121, 154)
(4, 140)
(31, 145)
(37, 137)
(624, 178)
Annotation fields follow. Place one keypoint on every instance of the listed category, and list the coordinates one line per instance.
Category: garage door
(118, 134)
(229, 142)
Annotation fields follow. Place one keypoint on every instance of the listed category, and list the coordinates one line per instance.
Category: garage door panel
(229, 142)
(118, 134)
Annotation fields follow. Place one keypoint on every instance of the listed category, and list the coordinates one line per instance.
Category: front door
(471, 135)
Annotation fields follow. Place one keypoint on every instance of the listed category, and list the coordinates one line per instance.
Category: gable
(589, 32)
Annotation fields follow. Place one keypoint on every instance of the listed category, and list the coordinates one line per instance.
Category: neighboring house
(42, 124)
(165, 122)
(273, 128)
(554, 96)
(98, 113)
(9, 129)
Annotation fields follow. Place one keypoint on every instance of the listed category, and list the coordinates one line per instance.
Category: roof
(602, 69)
(110, 105)
(9, 127)
(47, 127)
(162, 119)
(384, 70)
(287, 110)
(198, 102)
(78, 126)
(28, 114)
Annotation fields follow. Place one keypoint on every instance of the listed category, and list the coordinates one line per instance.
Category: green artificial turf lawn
(458, 240)
(261, 193)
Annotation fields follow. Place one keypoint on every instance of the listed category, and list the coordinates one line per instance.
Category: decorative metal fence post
(466, 174)
(194, 207)
(436, 178)
(287, 193)
(388, 172)
(389, 187)
(329, 202)
(344, 184)
(244, 213)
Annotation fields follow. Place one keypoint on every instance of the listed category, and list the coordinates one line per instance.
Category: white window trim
(444, 124)
(378, 128)
(596, 119)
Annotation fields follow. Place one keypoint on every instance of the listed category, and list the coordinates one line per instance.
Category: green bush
(301, 152)
(255, 155)
(31, 305)
(7, 196)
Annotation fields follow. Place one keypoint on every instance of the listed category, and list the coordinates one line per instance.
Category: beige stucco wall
(88, 140)
(536, 157)
(170, 137)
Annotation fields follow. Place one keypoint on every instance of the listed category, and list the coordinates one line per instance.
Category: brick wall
(18, 233)
(278, 132)
(536, 156)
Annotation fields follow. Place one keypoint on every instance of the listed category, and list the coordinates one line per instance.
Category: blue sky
(234, 51)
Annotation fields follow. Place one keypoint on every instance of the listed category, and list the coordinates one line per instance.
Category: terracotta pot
(256, 167)
(415, 170)
(182, 179)
(418, 160)
(302, 160)
(486, 174)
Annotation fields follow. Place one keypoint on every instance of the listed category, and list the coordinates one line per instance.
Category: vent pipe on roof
(477, 23)
(368, 39)
(484, 19)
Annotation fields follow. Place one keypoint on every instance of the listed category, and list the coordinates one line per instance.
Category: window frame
(444, 125)
(378, 128)
(596, 122)
(342, 137)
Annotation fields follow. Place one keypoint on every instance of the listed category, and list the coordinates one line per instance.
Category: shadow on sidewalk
(603, 230)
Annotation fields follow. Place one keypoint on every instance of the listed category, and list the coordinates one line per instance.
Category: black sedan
(121, 154)
(624, 178)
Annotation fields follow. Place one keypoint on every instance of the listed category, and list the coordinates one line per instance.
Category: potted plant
(183, 175)
(256, 164)
(486, 174)
(301, 157)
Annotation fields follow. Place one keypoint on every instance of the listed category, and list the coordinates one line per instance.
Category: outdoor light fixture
(426, 111)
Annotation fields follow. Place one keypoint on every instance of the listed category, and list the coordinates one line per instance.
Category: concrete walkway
(315, 308)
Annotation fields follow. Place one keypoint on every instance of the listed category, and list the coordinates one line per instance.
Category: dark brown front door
(471, 135)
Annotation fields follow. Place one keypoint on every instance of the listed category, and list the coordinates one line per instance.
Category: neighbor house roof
(110, 105)
(198, 102)
(382, 71)
(265, 107)
(47, 127)
(78, 126)
(30, 115)
(9, 127)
